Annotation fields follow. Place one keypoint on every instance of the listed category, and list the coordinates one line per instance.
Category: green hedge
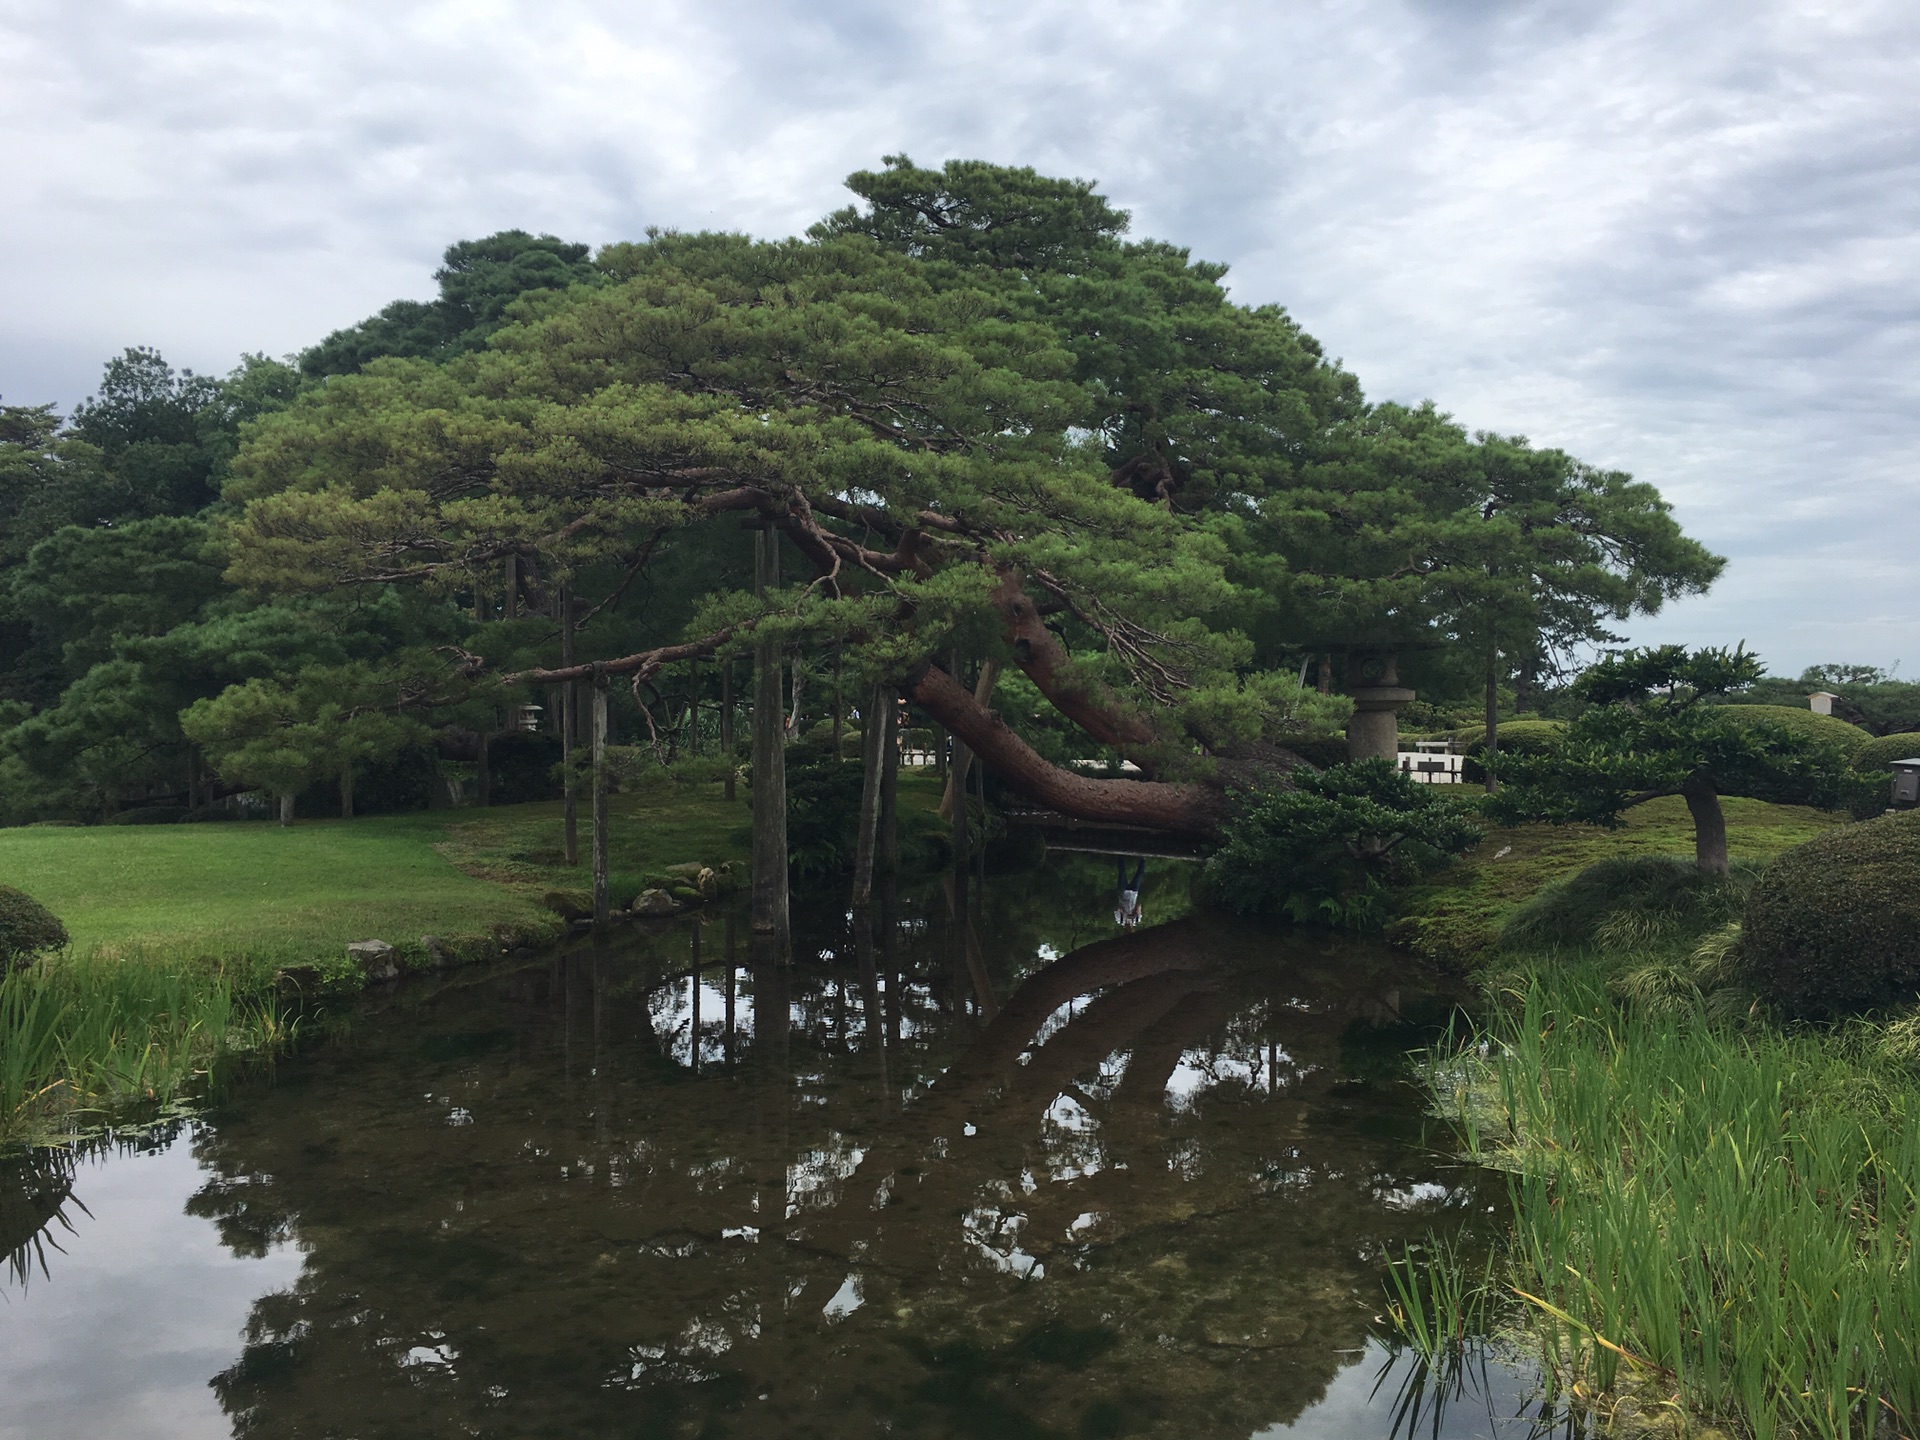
(1834, 926)
(1880, 752)
(1829, 728)
(1524, 737)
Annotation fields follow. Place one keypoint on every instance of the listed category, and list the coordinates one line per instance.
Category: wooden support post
(889, 847)
(693, 706)
(770, 917)
(346, 789)
(601, 907)
(569, 728)
(726, 728)
(873, 736)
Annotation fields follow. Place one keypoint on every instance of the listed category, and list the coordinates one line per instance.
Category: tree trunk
(1525, 678)
(484, 781)
(1493, 720)
(872, 762)
(601, 903)
(769, 766)
(346, 791)
(1323, 681)
(1709, 825)
(726, 729)
(962, 756)
(1176, 809)
(889, 845)
(963, 760)
(569, 728)
(839, 707)
(286, 807)
(510, 601)
(799, 698)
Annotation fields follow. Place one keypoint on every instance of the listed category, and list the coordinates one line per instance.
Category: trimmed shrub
(1830, 729)
(1878, 754)
(1834, 927)
(1527, 737)
(27, 928)
(1628, 903)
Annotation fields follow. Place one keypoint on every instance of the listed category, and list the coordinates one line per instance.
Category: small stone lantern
(1906, 783)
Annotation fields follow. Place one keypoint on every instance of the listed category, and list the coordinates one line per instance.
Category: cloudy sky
(1678, 239)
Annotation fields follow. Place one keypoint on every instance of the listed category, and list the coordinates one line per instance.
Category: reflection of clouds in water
(1423, 1195)
(994, 1235)
(846, 1299)
(813, 1181)
(1070, 1140)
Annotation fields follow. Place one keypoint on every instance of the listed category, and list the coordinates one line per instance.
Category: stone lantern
(1373, 680)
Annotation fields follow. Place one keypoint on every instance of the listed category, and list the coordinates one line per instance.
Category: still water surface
(1013, 1174)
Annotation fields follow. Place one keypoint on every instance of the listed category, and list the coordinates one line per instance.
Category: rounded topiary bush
(27, 928)
(1834, 926)
(1879, 753)
(1827, 729)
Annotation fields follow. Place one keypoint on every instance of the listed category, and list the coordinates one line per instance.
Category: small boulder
(654, 904)
(569, 904)
(438, 955)
(690, 871)
(375, 959)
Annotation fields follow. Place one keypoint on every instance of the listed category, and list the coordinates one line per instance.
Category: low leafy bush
(152, 815)
(27, 928)
(1629, 903)
(1834, 928)
(1325, 851)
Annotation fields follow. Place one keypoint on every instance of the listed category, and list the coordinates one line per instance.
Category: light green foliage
(282, 736)
(1323, 851)
(1878, 755)
(1717, 1217)
(1828, 730)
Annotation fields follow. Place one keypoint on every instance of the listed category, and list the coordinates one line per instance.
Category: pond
(1012, 1174)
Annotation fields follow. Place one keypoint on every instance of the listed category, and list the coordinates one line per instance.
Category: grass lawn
(251, 898)
(1456, 916)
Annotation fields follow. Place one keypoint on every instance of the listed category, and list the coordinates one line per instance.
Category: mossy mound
(1834, 927)
(1879, 753)
(1627, 903)
(1828, 728)
(27, 928)
(1524, 737)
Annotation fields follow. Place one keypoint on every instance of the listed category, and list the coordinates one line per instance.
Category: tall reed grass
(82, 1035)
(1724, 1218)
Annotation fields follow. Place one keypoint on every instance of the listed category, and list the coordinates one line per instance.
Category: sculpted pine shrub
(27, 928)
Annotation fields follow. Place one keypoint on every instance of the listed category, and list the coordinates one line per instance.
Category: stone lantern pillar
(1373, 680)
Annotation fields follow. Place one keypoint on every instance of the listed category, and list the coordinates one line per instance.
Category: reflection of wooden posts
(569, 727)
(726, 729)
(769, 763)
(600, 903)
(873, 739)
(730, 979)
(693, 1025)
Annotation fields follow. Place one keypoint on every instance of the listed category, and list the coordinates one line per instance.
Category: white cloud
(1679, 240)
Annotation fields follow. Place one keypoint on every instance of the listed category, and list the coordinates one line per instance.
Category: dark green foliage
(1325, 851)
(1628, 903)
(1863, 695)
(1324, 751)
(27, 928)
(479, 280)
(1876, 757)
(823, 810)
(1834, 927)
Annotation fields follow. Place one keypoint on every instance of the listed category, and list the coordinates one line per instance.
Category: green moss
(1834, 928)
(1456, 917)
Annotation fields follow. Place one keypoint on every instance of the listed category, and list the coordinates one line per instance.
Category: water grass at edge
(90, 1035)
(1722, 1217)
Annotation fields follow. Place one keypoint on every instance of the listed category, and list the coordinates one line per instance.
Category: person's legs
(1139, 873)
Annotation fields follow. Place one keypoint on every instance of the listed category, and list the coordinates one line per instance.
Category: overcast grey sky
(1677, 239)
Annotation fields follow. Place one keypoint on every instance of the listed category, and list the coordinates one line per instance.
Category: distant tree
(1651, 731)
(478, 281)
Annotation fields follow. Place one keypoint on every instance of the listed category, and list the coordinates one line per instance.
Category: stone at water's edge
(375, 958)
(656, 903)
(438, 955)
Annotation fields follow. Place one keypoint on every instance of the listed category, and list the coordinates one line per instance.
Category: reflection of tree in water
(37, 1197)
(1146, 1196)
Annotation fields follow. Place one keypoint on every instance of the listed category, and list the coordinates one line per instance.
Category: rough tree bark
(873, 737)
(601, 905)
(769, 765)
(1709, 825)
